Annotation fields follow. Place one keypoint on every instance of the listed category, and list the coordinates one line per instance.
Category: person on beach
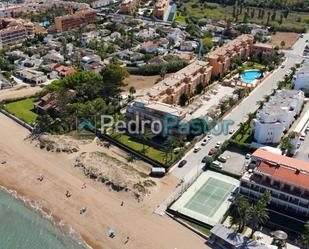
(82, 210)
(84, 186)
(68, 194)
(127, 240)
(40, 178)
(121, 203)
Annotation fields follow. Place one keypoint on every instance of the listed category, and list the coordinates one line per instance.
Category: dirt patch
(288, 37)
(114, 173)
(141, 83)
(18, 92)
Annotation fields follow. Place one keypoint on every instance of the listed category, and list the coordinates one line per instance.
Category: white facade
(301, 78)
(100, 3)
(277, 116)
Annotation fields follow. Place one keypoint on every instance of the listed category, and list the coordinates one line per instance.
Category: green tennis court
(210, 196)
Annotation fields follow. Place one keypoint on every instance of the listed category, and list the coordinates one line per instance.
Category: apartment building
(76, 20)
(277, 115)
(301, 77)
(263, 50)
(128, 6)
(12, 35)
(164, 97)
(220, 59)
(161, 9)
(185, 81)
(286, 179)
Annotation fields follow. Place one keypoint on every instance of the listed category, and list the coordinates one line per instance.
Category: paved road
(239, 114)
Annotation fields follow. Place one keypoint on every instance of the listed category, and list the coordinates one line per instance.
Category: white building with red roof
(287, 180)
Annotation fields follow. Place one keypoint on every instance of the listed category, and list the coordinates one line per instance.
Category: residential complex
(161, 8)
(128, 6)
(167, 93)
(277, 115)
(239, 49)
(15, 31)
(76, 20)
(301, 78)
(286, 179)
(220, 59)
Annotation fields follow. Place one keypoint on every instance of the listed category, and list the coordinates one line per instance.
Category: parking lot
(235, 162)
(303, 151)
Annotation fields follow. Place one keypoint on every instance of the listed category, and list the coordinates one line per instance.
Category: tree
(259, 214)
(304, 238)
(183, 99)
(132, 91)
(282, 44)
(239, 213)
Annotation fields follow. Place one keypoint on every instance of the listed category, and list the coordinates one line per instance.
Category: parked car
(307, 129)
(212, 151)
(204, 143)
(196, 149)
(302, 137)
(205, 158)
(157, 172)
(216, 165)
(231, 131)
(218, 144)
(248, 156)
(222, 159)
(182, 163)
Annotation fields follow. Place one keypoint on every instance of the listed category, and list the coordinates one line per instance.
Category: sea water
(22, 227)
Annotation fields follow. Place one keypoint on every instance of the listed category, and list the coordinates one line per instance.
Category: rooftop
(281, 160)
(165, 108)
(285, 174)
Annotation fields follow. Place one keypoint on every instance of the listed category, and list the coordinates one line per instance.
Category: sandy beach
(24, 163)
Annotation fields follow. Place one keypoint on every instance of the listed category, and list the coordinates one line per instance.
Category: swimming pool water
(250, 75)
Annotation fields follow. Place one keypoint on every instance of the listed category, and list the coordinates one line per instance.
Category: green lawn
(294, 21)
(245, 137)
(151, 152)
(251, 65)
(22, 109)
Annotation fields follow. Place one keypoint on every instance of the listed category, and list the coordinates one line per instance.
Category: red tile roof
(282, 160)
(285, 174)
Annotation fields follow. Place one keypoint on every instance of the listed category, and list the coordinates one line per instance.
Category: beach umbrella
(111, 232)
(281, 235)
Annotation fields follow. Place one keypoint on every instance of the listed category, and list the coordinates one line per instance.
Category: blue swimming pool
(250, 75)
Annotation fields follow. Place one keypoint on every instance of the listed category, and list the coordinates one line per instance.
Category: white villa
(301, 78)
(277, 115)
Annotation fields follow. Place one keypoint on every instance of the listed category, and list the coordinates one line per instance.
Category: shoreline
(45, 213)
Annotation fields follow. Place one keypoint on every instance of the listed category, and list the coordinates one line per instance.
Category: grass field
(151, 152)
(294, 21)
(22, 109)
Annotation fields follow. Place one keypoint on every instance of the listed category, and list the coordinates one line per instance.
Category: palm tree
(132, 91)
(304, 238)
(239, 213)
(259, 213)
(146, 135)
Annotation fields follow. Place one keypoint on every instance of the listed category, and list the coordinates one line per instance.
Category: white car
(302, 137)
(248, 156)
(204, 143)
(196, 149)
(218, 144)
